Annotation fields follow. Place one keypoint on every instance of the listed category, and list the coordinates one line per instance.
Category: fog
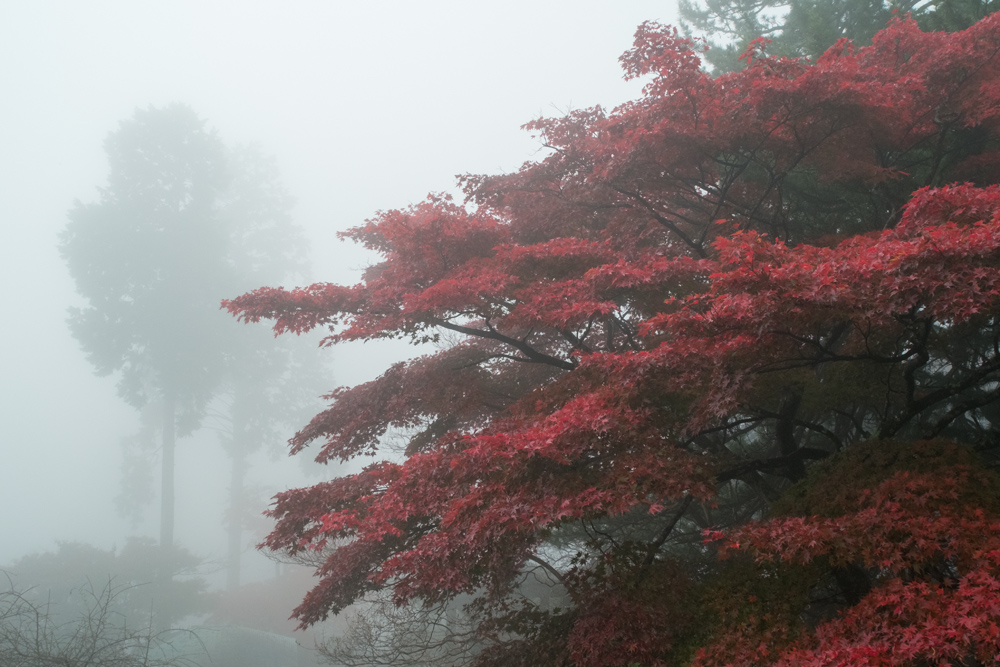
(364, 105)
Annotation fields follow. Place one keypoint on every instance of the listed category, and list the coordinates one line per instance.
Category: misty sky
(366, 106)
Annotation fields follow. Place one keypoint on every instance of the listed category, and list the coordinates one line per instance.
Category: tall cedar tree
(726, 373)
(182, 222)
(148, 257)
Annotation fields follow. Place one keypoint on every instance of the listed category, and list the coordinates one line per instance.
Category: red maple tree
(724, 367)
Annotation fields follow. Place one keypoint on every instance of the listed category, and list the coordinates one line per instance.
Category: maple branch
(728, 425)
(824, 351)
(944, 125)
(660, 218)
(916, 363)
(531, 354)
(576, 342)
(733, 172)
(553, 571)
(784, 430)
(856, 421)
(609, 538)
(783, 365)
(818, 428)
(626, 329)
(737, 169)
(587, 329)
(891, 426)
(773, 180)
(656, 544)
(960, 409)
(776, 463)
(948, 121)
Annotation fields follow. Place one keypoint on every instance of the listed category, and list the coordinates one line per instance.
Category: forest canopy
(721, 371)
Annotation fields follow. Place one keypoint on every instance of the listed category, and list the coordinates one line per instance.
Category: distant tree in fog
(150, 258)
(183, 223)
(259, 406)
(258, 403)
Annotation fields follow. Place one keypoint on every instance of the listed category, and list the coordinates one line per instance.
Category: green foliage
(954, 15)
(807, 28)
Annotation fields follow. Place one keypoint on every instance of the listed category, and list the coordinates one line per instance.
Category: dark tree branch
(531, 354)
(553, 571)
(655, 545)
(772, 464)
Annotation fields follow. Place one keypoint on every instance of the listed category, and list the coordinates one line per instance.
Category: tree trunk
(167, 475)
(165, 569)
(235, 550)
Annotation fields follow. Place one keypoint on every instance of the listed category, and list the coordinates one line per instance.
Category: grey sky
(366, 105)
